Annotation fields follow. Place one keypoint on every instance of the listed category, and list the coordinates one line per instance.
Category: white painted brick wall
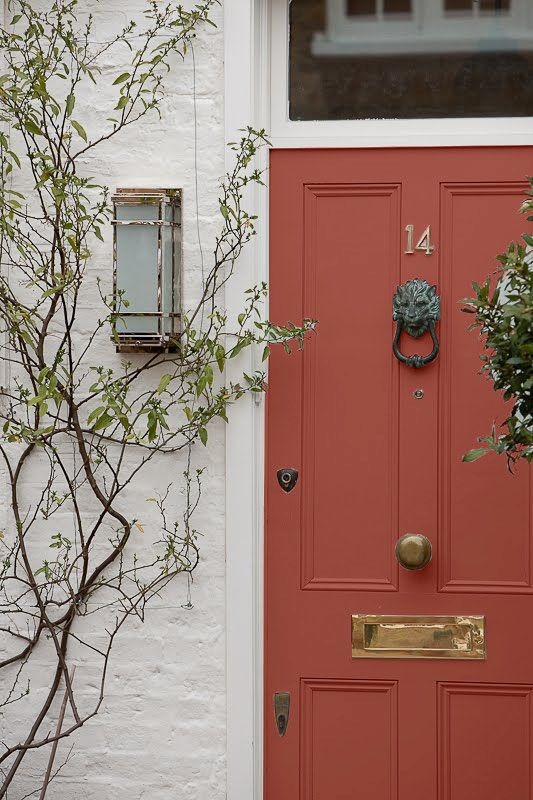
(161, 733)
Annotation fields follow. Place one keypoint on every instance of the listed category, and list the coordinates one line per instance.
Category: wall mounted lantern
(147, 269)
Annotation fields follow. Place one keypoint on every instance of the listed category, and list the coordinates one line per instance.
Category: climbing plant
(81, 441)
(503, 310)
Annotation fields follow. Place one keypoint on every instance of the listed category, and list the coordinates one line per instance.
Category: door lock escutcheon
(282, 704)
(287, 478)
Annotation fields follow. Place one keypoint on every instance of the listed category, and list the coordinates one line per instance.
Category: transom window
(366, 59)
(472, 8)
(388, 9)
(378, 8)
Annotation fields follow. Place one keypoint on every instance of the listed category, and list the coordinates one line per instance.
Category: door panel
(470, 560)
(485, 741)
(371, 751)
(375, 462)
(335, 218)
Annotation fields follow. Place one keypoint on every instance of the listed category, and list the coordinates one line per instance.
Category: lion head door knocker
(416, 309)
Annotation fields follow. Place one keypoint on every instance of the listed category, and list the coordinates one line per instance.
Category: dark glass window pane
(496, 6)
(482, 67)
(357, 8)
(458, 5)
(397, 6)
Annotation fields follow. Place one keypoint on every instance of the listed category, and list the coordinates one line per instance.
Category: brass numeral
(410, 233)
(423, 244)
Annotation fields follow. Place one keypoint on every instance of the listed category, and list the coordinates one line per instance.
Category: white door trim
(253, 29)
(244, 435)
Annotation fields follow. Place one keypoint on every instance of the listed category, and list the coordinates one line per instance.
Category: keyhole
(287, 478)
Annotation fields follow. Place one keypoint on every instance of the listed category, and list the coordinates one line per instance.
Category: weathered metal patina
(416, 309)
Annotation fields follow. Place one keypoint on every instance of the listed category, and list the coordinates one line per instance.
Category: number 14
(424, 243)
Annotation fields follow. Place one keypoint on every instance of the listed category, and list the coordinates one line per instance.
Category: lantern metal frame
(162, 340)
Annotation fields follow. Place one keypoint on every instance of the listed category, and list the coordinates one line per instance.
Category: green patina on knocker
(416, 309)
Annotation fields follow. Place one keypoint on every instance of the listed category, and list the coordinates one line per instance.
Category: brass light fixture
(147, 269)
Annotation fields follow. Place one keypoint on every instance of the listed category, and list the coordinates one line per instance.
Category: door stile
(283, 511)
(418, 493)
(418, 417)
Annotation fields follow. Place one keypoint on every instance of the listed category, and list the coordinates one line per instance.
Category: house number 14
(424, 243)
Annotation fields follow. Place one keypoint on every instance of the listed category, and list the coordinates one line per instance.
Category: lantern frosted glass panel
(136, 269)
(147, 268)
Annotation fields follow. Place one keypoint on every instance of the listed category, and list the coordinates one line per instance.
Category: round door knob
(413, 551)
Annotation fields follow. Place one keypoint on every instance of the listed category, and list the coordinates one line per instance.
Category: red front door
(378, 448)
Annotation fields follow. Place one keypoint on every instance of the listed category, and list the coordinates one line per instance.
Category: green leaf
(122, 102)
(71, 101)
(44, 570)
(473, 455)
(31, 127)
(152, 430)
(121, 78)
(202, 432)
(124, 421)
(200, 386)
(163, 383)
(103, 422)
(79, 129)
(205, 378)
(94, 414)
(15, 158)
(220, 355)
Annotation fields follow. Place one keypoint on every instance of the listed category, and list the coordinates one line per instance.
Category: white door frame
(253, 29)
(244, 439)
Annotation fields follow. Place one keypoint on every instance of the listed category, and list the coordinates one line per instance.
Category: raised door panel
(350, 408)
(485, 513)
(485, 741)
(349, 739)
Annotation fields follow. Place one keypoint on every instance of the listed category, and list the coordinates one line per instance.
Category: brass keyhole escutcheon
(413, 551)
(282, 704)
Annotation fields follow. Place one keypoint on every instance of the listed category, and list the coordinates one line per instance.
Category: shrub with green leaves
(504, 316)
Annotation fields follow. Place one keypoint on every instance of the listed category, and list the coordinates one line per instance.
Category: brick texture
(161, 733)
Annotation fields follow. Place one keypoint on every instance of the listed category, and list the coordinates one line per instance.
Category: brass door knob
(413, 551)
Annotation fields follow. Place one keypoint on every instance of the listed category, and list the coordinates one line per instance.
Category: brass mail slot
(417, 637)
